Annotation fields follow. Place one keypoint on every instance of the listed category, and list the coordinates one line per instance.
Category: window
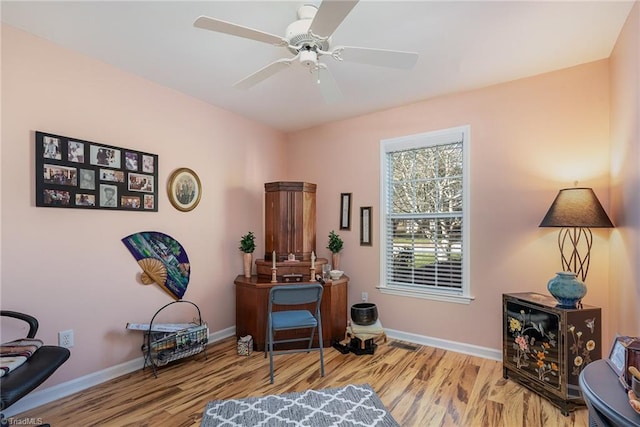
(424, 224)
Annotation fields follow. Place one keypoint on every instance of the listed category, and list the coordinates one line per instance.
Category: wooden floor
(421, 386)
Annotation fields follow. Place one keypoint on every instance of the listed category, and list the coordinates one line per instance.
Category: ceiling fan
(309, 39)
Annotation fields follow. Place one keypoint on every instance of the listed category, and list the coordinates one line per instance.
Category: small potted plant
(335, 246)
(248, 245)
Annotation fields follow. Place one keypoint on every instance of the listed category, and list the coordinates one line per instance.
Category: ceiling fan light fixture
(308, 58)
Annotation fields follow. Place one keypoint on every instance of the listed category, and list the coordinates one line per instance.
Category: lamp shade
(576, 207)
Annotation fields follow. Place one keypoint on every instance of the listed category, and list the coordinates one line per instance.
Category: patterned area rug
(350, 406)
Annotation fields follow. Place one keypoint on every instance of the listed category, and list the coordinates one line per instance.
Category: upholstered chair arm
(32, 321)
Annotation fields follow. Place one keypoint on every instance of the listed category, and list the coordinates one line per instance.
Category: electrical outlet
(65, 338)
(365, 297)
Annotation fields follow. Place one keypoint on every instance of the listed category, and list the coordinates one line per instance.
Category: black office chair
(43, 362)
(294, 319)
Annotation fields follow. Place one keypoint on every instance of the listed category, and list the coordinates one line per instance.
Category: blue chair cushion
(293, 319)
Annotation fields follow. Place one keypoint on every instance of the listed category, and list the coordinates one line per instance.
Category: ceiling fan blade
(212, 24)
(328, 87)
(264, 73)
(380, 57)
(330, 15)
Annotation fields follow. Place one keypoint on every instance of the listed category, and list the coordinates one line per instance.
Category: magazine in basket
(166, 347)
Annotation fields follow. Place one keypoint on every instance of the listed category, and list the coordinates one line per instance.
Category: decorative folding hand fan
(163, 261)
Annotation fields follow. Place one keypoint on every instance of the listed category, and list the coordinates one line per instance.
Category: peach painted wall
(68, 267)
(529, 138)
(625, 179)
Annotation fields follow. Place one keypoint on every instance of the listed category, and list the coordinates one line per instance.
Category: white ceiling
(462, 45)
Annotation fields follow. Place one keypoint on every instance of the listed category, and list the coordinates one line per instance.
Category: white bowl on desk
(336, 274)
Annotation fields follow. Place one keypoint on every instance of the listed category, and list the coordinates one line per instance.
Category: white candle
(273, 259)
(313, 260)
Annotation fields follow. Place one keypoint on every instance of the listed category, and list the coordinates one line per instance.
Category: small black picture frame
(345, 211)
(365, 226)
(74, 173)
(617, 355)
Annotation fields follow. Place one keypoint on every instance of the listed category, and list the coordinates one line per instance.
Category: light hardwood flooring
(421, 386)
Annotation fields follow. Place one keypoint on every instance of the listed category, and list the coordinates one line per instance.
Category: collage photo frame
(74, 173)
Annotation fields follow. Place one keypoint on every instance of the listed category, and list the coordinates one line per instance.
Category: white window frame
(439, 137)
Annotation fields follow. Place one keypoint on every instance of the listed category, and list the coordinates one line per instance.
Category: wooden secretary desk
(290, 232)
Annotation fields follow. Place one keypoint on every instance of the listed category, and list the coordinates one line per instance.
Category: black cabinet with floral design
(545, 347)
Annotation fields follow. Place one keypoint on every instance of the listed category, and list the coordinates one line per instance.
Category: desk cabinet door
(583, 345)
(532, 344)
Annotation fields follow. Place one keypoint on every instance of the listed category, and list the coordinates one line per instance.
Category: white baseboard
(42, 397)
(47, 395)
(458, 347)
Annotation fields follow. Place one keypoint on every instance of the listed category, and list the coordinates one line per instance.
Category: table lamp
(576, 211)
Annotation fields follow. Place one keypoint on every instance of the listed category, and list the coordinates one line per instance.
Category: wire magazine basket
(162, 347)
